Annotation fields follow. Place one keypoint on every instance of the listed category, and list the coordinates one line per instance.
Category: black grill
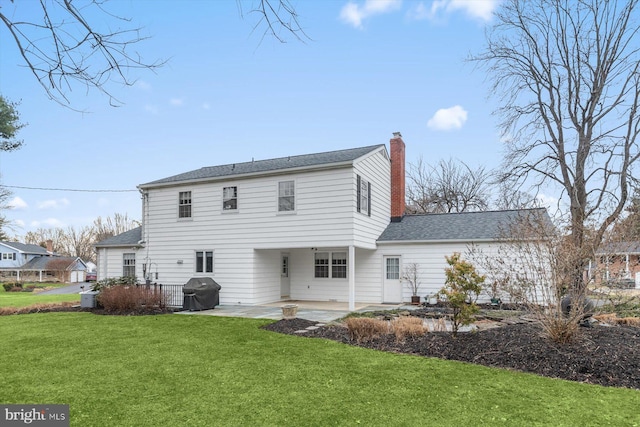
(201, 293)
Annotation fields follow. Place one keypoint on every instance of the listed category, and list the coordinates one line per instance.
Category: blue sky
(226, 95)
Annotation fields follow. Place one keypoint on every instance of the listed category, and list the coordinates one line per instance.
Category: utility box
(88, 299)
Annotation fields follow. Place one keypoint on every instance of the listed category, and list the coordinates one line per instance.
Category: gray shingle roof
(264, 166)
(42, 263)
(26, 248)
(128, 238)
(465, 226)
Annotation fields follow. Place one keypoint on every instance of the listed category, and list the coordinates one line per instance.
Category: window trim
(181, 205)
(205, 258)
(286, 212)
(224, 199)
(359, 196)
(330, 265)
(126, 266)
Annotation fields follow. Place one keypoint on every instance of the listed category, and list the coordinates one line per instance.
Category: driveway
(71, 289)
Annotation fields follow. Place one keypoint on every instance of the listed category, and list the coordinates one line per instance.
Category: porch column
(352, 278)
(18, 275)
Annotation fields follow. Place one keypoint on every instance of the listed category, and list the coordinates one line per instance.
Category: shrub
(363, 329)
(408, 326)
(130, 299)
(461, 289)
(12, 286)
(114, 281)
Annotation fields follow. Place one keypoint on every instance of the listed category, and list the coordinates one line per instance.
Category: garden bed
(605, 355)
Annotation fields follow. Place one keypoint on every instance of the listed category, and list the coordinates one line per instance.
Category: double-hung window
(363, 201)
(184, 204)
(204, 261)
(330, 265)
(129, 265)
(230, 198)
(286, 196)
(8, 255)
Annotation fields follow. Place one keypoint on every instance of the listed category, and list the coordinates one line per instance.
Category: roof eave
(287, 171)
(423, 241)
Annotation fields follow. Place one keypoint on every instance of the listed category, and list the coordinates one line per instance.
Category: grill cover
(201, 293)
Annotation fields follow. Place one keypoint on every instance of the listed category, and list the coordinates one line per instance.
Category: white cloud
(49, 222)
(19, 223)
(176, 102)
(448, 118)
(476, 9)
(18, 203)
(206, 106)
(53, 204)
(354, 13)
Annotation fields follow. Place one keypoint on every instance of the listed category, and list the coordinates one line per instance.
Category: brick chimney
(397, 177)
(50, 246)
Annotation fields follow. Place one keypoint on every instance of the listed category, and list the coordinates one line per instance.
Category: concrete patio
(317, 311)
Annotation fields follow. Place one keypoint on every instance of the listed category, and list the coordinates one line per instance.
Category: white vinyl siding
(247, 244)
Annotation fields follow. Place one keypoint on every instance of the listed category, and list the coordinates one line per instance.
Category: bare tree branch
(567, 74)
(64, 47)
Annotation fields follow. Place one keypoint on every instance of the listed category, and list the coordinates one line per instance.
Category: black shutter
(358, 194)
(369, 198)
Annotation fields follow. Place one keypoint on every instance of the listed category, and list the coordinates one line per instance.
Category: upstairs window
(184, 204)
(230, 198)
(11, 256)
(363, 201)
(286, 196)
(204, 262)
(129, 265)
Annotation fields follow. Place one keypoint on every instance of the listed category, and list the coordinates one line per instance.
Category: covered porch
(314, 274)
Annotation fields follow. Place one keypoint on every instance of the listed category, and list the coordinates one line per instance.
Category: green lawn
(24, 299)
(177, 370)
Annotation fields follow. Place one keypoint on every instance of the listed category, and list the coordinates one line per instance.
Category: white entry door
(392, 291)
(285, 284)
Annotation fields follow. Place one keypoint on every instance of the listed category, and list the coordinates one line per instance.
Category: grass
(24, 299)
(179, 370)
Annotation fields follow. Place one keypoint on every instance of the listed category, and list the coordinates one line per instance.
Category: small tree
(411, 276)
(461, 289)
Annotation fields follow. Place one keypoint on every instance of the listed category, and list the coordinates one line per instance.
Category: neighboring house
(20, 262)
(324, 227)
(617, 262)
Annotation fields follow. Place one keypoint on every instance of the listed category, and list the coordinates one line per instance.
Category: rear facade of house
(318, 227)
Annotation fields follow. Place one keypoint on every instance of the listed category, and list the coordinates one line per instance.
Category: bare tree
(84, 43)
(449, 186)
(568, 76)
(41, 235)
(78, 243)
(276, 18)
(112, 226)
(71, 44)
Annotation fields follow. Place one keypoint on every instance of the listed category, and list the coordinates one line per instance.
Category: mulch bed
(605, 355)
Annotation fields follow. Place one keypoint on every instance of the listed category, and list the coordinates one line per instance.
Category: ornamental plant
(462, 286)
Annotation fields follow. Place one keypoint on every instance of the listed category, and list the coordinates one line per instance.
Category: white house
(320, 227)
